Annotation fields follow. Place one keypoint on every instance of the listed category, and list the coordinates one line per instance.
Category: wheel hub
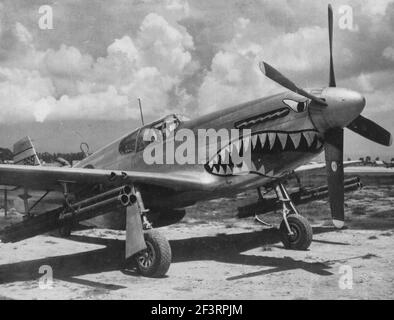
(295, 233)
(147, 257)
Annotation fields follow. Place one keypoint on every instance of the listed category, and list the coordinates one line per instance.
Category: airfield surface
(218, 257)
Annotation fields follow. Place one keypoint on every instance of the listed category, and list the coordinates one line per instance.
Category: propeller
(334, 136)
(370, 130)
(332, 82)
(333, 150)
(273, 74)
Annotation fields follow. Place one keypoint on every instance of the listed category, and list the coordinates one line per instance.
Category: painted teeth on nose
(309, 137)
(296, 138)
(283, 139)
(214, 160)
(243, 169)
(263, 138)
(270, 174)
(272, 138)
(235, 147)
(222, 163)
(225, 155)
(246, 142)
(255, 138)
(252, 166)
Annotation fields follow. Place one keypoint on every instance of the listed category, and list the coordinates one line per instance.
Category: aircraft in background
(287, 130)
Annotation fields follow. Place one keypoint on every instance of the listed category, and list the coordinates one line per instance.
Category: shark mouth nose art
(225, 162)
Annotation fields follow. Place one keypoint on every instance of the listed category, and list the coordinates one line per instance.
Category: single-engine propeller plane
(117, 185)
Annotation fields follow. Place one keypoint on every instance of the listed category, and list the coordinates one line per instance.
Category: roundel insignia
(334, 166)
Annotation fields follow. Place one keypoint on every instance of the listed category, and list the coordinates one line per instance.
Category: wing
(370, 171)
(316, 167)
(52, 178)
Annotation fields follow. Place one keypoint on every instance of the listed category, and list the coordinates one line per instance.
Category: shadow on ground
(226, 248)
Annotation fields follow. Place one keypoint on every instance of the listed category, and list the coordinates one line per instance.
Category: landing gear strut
(256, 217)
(295, 230)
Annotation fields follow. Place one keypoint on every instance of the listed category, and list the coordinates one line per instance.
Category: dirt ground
(216, 256)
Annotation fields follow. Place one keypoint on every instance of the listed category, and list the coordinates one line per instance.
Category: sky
(79, 80)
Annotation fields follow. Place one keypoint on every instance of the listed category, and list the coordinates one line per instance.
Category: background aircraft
(287, 130)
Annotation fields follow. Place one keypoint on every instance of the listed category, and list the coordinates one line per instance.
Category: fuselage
(283, 137)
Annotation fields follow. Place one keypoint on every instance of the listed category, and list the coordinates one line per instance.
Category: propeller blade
(370, 130)
(333, 148)
(275, 75)
(332, 82)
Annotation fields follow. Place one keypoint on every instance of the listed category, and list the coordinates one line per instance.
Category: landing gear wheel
(156, 259)
(302, 233)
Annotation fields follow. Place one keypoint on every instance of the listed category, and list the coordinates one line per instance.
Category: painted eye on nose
(297, 106)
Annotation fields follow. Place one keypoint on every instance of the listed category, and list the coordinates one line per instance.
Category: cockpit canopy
(134, 142)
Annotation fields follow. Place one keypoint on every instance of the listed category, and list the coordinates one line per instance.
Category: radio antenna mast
(142, 116)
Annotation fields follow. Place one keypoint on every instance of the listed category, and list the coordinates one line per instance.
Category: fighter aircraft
(287, 130)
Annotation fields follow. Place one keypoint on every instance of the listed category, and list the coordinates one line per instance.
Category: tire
(156, 259)
(302, 230)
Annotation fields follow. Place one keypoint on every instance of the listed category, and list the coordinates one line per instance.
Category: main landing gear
(155, 260)
(295, 231)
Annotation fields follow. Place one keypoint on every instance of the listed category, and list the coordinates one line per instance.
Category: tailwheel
(155, 260)
(300, 235)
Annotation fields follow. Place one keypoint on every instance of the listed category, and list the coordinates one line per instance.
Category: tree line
(7, 155)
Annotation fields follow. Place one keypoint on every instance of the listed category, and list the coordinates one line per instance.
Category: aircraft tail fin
(25, 153)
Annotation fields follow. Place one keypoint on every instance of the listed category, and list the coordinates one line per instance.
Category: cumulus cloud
(234, 75)
(66, 62)
(67, 84)
(19, 91)
(293, 37)
(375, 7)
(180, 7)
(365, 83)
(183, 57)
(388, 53)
